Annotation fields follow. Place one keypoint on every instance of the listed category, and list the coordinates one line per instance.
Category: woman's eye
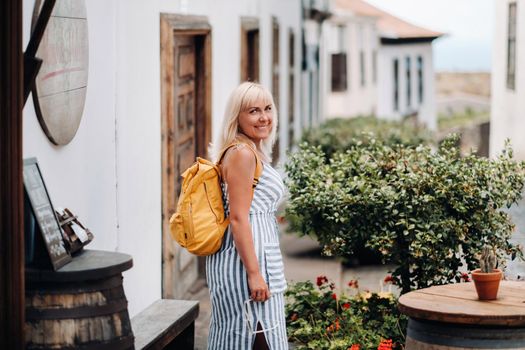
(269, 108)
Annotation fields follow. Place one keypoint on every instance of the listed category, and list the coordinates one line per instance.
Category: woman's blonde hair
(241, 98)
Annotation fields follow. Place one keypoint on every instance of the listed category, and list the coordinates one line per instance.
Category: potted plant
(487, 277)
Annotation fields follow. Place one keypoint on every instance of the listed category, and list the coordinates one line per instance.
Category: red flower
(386, 344)
(294, 317)
(389, 279)
(465, 277)
(321, 280)
(346, 306)
(334, 296)
(353, 284)
(355, 347)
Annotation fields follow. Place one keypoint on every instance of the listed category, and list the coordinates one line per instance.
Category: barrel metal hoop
(458, 335)
(122, 343)
(34, 288)
(33, 314)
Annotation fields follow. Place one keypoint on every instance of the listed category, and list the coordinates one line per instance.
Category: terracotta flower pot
(487, 284)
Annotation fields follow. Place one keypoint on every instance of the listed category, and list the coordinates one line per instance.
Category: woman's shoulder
(239, 155)
(240, 151)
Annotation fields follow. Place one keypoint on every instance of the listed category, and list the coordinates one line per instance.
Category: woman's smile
(256, 121)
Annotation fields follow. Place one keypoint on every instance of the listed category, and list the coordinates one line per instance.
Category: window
(339, 81)
(362, 67)
(374, 66)
(511, 48)
(249, 49)
(396, 84)
(339, 63)
(420, 79)
(361, 45)
(409, 80)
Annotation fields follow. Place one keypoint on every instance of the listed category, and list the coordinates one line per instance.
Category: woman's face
(256, 121)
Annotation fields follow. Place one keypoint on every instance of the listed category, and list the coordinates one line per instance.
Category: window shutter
(339, 72)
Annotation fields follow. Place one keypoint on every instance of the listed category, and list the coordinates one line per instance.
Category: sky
(468, 24)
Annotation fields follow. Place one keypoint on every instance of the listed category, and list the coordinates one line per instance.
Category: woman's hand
(259, 290)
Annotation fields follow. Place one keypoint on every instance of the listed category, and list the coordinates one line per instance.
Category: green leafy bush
(319, 319)
(423, 210)
(339, 134)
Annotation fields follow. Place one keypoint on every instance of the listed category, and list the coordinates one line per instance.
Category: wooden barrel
(451, 317)
(81, 306)
(425, 335)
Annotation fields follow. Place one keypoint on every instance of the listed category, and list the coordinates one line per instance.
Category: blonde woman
(246, 276)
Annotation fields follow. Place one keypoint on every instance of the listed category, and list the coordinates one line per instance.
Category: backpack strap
(258, 163)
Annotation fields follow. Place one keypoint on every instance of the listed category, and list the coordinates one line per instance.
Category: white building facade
(507, 89)
(114, 172)
(406, 83)
(351, 41)
(388, 70)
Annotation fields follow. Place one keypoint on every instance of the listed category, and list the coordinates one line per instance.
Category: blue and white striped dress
(228, 281)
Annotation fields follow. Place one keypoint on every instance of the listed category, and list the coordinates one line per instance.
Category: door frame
(12, 296)
(276, 77)
(199, 27)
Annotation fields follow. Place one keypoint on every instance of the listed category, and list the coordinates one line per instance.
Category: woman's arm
(238, 168)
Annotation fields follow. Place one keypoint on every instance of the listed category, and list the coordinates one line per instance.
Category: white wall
(110, 174)
(79, 176)
(507, 106)
(385, 97)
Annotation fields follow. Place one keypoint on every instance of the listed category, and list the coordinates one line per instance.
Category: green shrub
(317, 318)
(422, 210)
(339, 134)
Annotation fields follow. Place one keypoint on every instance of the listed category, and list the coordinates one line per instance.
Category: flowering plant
(319, 318)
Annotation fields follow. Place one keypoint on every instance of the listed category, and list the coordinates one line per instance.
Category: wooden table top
(87, 265)
(458, 303)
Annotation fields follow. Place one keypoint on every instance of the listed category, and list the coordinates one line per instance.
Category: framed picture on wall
(44, 214)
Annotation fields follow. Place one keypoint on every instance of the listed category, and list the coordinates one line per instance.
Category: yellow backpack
(200, 222)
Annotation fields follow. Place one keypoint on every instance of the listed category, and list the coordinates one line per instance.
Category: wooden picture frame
(44, 214)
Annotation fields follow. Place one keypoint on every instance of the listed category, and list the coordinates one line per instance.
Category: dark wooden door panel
(184, 88)
(185, 134)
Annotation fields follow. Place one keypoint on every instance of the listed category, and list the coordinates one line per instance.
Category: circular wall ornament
(61, 84)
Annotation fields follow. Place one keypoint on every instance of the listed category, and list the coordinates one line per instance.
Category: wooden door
(186, 125)
(275, 81)
(184, 140)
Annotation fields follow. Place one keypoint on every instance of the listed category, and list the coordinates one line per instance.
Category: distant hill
(459, 83)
